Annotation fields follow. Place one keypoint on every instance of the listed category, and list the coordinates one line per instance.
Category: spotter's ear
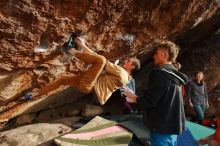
(166, 54)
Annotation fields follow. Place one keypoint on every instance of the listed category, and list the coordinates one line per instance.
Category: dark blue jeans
(199, 109)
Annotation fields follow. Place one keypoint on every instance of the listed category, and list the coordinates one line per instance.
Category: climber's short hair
(136, 62)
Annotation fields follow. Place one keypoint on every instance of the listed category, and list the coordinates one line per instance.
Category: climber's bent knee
(101, 59)
(86, 89)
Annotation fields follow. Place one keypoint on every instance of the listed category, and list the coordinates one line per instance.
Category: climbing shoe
(70, 43)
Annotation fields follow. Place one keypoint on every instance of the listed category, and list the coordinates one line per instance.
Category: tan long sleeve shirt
(112, 79)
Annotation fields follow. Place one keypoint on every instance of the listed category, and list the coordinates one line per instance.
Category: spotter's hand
(130, 96)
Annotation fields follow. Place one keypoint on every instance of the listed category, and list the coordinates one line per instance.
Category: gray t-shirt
(197, 93)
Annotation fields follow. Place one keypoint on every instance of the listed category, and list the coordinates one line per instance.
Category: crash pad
(98, 132)
(199, 131)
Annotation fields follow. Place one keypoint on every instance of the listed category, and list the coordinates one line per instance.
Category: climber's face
(128, 64)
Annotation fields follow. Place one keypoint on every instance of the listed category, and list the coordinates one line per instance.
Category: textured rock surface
(32, 32)
(32, 135)
(201, 50)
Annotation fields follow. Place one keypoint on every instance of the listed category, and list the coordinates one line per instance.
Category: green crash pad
(98, 132)
(199, 131)
(133, 123)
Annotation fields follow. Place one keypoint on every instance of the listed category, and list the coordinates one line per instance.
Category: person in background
(162, 103)
(198, 97)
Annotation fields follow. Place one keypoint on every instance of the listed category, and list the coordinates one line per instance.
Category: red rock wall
(111, 26)
(32, 32)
